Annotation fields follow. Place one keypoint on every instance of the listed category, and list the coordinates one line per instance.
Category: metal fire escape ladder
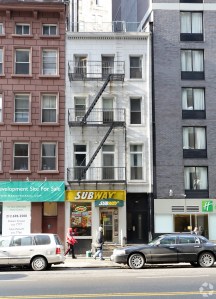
(96, 152)
(83, 121)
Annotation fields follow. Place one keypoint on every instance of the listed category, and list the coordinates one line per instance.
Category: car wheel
(195, 264)
(206, 259)
(136, 261)
(39, 263)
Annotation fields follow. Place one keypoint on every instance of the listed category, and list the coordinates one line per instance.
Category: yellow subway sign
(73, 195)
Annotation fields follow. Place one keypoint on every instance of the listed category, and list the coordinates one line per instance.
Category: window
(168, 240)
(1, 151)
(188, 240)
(192, 64)
(21, 113)
(80, 65)
(191, 26)
(107, 65)
(81, 218)
(1, 114)
(22, 241)
(193, 99)
(195, 178)
(49, 62)
(135, 67)
(79, 161)
(1, 61)
(194, 138)
(22, 29)
(21, 156)
(1, 29)
(136, 162)
(49, 108)
(108, 162)
(22, 61)
(108, 112)
(48, 156)
(49, 29)
(135, 111)
(80, 108)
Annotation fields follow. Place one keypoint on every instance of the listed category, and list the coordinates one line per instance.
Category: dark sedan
(169, 248)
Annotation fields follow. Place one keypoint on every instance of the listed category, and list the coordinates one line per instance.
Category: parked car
(38, 251)
(168, 248)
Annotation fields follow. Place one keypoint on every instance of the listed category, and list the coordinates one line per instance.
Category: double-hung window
(21, 156)
(22, 61)
(49, 108)
(1, 29)
(191, 26)
(135, 67)
(1, 61)
(136, 163)
(49, 62)
(196, 178)
(79, 161)
(22, 103)
(135, 110)
(49, 29)
(1, 151)
(48, 156)
(22, 29)
(1, 114)
(192, 64)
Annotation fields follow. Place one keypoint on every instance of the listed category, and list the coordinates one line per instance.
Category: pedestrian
(70, 241)
(196, 230)
(99, 244)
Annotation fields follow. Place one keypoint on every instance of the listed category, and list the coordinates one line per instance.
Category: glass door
(109, 222)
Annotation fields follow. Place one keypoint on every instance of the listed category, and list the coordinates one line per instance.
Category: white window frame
(19, 63)
(46, 108)
(1, 61)
(26, 157)
(1, 154)
(78, 169)
(136, 72)
(196, 177)
(52, 69)
(191, 22)
(108, 171)
(137, 153)
(1, 29)
(22, 26)
(48, 167)
(25, 111)
(1, 108)
(194, 138)
(138, 112)
(49, 27)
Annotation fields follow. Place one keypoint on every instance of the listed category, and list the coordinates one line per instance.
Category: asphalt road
(178, 281)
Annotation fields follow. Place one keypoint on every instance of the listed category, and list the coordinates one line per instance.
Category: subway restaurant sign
(34, 191)
(95, 195)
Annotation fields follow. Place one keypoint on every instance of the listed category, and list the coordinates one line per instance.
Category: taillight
(58, 250)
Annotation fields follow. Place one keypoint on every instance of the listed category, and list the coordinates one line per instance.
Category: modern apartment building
(183, 113)
(32, 116)
(108, 131)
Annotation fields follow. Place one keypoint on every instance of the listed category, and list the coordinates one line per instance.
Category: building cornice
(108, 35)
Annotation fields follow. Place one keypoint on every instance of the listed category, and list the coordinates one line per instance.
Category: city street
(86, 278)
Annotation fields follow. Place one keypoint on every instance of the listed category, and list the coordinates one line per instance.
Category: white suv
(39, 251)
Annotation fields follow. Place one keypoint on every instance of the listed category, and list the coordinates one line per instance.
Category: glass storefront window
(186, 223)
(81, 218)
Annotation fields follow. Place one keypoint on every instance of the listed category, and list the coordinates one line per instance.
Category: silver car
(38, 251)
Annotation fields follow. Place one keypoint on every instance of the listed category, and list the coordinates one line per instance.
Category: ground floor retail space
(183, 215)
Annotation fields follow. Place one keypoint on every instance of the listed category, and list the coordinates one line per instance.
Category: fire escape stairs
(96, 152)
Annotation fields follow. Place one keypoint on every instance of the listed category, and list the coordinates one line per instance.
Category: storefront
(25, 204)
(86, 210)
(182, 215)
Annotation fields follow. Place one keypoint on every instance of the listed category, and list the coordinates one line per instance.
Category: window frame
(189, 69)
(192, 134)
(187, 32)
(1, 154)
(43, 95)
(49, 29)
(42, 165)
(16, 50)
(132, 99)
(21, 156)
(195, 182)
(2, 30)
(132, 154)
(1, 107)
(139, 68)
(23, 25)
(26, 111)
(46, 71)
(2, 61)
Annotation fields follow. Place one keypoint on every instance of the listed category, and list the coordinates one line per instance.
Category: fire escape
(95, 117)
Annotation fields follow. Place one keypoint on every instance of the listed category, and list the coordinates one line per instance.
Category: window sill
(21, 124)
(21, 76)
(22, 35)
(2, 75)
(50, 36)
(19, 171)
(49, 124)
(49, 76)
(48, 171)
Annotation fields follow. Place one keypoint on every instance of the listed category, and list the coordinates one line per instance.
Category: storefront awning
(34, 191)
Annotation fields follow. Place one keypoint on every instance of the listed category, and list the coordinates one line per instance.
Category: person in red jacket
(70, 241)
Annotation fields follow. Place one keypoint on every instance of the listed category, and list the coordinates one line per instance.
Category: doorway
(109, 222)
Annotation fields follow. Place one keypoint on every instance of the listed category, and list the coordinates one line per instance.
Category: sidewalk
(87, 262)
